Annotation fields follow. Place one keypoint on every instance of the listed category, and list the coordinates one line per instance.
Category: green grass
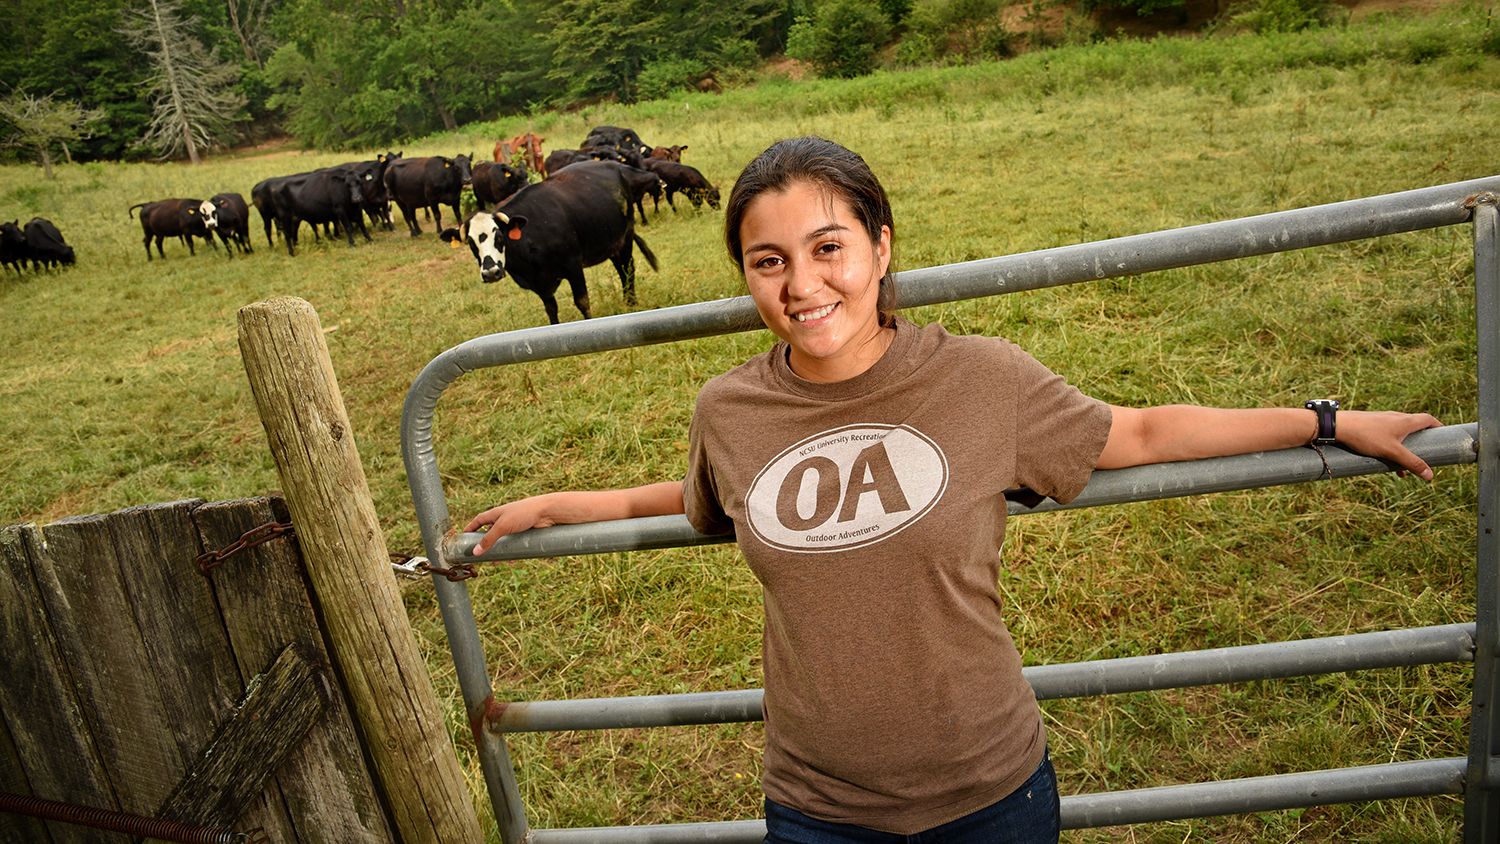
(123, 386)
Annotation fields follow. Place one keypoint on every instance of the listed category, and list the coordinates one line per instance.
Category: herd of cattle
(581, 213)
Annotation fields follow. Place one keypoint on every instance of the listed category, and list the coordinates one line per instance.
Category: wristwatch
(1327, 411)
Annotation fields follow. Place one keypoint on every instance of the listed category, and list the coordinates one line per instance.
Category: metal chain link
(210, 560)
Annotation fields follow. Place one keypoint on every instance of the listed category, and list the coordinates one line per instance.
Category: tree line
(131, 79)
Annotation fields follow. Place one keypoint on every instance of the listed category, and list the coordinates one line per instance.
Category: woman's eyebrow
(828, 229)
(812, 235)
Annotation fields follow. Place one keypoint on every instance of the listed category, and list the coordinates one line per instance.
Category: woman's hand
(1380, 434)
(575, 507)
(514, 517)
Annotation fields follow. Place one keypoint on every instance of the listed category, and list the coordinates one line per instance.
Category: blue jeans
(1029, 815)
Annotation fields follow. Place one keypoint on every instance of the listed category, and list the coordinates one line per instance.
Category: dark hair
(836, 169)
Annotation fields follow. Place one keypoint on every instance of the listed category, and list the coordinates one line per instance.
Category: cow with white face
(209, 214)
(551, 230)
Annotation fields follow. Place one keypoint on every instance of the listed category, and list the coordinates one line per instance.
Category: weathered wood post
(307, 425)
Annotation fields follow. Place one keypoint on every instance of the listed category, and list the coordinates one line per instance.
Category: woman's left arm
(1188, 432)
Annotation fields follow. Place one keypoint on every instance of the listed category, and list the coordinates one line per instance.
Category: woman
(862, 465)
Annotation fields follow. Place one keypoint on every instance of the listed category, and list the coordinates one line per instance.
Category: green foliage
(663, 76)
(1266, 16)
(1140, 7)
(938, 29)
(38, 124)
(841, 38)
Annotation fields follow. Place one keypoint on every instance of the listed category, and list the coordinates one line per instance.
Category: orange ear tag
(514, 234)
(455, 244)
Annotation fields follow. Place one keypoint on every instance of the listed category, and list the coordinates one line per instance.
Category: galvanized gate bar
(1423, 778)
(1447, 446)
(1264, 234)
(1481, 801)
(1274, 660)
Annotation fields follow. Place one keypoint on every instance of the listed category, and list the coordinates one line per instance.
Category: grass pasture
(123, 386)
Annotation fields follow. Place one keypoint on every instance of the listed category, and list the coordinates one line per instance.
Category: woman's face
(815, 276)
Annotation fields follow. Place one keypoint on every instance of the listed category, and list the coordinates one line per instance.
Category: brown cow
(671, 153)
(527, 147)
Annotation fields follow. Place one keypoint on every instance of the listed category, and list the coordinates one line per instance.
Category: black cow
(642, 182)
(13, 246)
(617, 137)
(331, 195)
(261, 197)
(560, 158)
(231, 218)
(45, 245)
(428, 183)
(179, 218)
(687, 180)
(551, 230)
(495, 183)
(377, 204)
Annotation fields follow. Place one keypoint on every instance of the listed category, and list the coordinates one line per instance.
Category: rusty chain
(210, 560)
(403, 564)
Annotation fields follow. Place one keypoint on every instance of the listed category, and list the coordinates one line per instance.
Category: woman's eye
(827, 248)
(768, 262)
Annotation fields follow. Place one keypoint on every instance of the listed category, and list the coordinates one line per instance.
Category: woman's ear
(883, 250)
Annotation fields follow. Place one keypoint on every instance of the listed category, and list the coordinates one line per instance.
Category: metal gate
(1477, 776)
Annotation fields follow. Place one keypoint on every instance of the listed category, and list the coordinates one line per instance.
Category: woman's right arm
(575, 507)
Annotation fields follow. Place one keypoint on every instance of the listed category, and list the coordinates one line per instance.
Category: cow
(428, 183)
(527, 147)
(671, 153)
(231, 219)
(330, 195)
(642, 182)
(551, 230)
(179, 218)
(495, 183)
(560, 158)
(377, 200)
(13, 254)
(45, 245)
(685, 179)
(617, 137)
(261, 198)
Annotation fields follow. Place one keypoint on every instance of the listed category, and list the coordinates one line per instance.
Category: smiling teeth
(816, 314)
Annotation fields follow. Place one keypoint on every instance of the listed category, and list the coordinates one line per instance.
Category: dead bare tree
(249, 19)
(192, 99)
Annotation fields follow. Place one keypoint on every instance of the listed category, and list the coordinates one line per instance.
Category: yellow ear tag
(455, 244)
(446, 165)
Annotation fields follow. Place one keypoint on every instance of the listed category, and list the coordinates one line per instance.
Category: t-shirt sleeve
(700, 491)
(1060, 432)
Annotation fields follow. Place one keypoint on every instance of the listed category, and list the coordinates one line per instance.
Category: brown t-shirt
(872, 512)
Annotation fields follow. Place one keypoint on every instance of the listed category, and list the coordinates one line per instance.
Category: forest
(166, 79)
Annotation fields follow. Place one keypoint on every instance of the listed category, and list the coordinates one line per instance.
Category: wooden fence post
(297, 394)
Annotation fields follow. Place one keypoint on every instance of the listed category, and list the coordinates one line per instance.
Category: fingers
(1382, 435)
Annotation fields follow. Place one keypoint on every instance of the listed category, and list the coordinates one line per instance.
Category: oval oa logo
(846, 488)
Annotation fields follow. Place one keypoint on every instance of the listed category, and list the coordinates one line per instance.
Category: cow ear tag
(455, 243)
(446, 165)
(514, 234)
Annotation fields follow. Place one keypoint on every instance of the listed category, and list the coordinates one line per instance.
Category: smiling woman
(862, 465)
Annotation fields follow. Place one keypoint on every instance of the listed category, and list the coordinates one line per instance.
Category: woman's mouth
(815, 313)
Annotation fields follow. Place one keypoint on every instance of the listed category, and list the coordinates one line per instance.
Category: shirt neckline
(887, 370)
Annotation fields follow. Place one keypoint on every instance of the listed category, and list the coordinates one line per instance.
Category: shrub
(841, 37)
(663, 76)
(966, 28)
(1264, 16)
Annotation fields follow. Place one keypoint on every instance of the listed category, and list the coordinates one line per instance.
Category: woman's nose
(802, 280)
